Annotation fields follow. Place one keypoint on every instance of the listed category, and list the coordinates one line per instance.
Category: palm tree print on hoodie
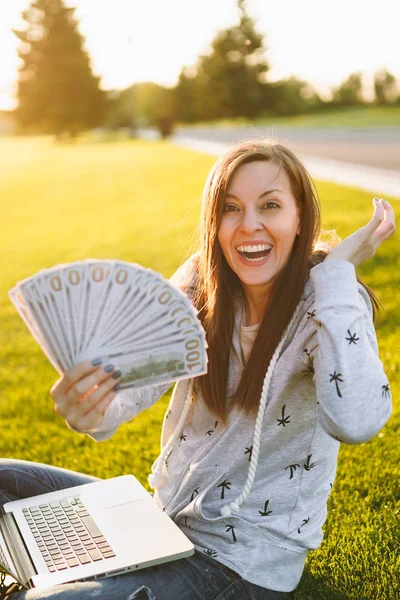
(194, 493)
(305, 521)
(284, 420)
(292, 469)
(249, 451)
(308, 371)
(225, 484)
(352, 339)
(266, 512)
(336, 377)
(210, 552)
(210, 431)
(307, 464)
(231, 528)
(166, 461)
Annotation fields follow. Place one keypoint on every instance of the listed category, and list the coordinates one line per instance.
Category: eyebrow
(266, 193)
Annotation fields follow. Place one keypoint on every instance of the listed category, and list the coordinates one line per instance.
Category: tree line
(58, 93)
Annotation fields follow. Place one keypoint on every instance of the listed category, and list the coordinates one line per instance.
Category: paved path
(368, 159)
(376, 147)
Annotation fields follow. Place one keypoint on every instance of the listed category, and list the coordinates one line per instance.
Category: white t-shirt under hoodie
(248, 334)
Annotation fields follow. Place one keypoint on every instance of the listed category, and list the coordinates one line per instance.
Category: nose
(251, 221)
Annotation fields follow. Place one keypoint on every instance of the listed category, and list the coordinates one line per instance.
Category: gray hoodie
(253, 494)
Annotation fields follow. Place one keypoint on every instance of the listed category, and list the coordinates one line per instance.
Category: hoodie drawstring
(233, 507)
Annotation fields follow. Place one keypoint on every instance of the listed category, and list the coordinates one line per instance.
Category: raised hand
(83, 394)
(363, 243)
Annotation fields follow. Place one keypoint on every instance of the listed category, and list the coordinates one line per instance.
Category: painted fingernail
(116, 374)
(109, 368)
(96, 362)
(116, 387)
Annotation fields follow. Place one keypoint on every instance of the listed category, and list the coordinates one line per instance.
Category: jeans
(198, 577)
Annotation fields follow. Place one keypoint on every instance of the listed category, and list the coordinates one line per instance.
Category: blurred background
(70, 65)
(323, 78)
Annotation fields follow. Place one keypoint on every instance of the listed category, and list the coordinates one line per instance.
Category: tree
(143, 104)
(154, 102)
(121, 111)
(57, 91)
(230, 80)
(291, 97)
(386, 87)
(190, 96)
(349, 93)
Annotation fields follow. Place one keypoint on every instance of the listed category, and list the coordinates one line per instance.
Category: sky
(128, 41)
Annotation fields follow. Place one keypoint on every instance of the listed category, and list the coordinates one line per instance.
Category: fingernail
(109, 368)
(116, 387)
(96, 362)
(116, 374)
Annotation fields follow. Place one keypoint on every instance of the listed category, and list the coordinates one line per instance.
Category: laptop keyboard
(66, 534)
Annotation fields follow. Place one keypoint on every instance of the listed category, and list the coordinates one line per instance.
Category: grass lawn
(349, 118)
(139, 201)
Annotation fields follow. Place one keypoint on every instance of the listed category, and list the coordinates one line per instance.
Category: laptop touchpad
(129, 515)
(142, 528)
(113, 492)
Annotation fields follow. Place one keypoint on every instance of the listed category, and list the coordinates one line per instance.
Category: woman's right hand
(83, 394)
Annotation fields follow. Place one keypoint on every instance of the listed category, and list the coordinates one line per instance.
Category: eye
(271, 204)
(229, 208)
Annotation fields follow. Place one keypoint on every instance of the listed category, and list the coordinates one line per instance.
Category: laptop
(90, 531)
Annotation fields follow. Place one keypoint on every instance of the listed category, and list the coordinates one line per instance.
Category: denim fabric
(198, 577)
(22, 479)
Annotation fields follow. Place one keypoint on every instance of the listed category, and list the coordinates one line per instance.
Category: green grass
(349, 118)
(139, 201)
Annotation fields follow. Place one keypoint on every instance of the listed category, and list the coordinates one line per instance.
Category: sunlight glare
(132, 40)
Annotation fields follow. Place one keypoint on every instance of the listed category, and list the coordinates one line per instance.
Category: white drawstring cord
(233, 507)
(154, 479)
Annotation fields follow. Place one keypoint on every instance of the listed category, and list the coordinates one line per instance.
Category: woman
(249, 450)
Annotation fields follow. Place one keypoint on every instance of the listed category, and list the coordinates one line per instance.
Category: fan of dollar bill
(121, 312)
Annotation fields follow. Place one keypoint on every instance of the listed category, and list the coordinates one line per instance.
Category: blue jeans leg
(198, 577)
(22, 479)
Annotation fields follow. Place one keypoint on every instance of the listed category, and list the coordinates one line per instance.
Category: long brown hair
(217, 286)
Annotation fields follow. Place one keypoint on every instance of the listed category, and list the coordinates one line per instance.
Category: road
(368, 158)
(373, 147)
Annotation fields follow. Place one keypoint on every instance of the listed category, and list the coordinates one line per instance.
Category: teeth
(258, 248)
(255, 259)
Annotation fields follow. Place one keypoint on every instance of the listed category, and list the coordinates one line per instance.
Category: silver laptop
(90, 531)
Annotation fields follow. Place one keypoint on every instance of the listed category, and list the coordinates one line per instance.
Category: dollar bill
(123, 312)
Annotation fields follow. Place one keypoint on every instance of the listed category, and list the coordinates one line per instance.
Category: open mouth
(254, 253)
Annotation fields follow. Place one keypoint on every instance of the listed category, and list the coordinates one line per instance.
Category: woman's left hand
(363, 243)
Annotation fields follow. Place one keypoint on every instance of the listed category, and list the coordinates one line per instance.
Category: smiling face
(259, 224)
